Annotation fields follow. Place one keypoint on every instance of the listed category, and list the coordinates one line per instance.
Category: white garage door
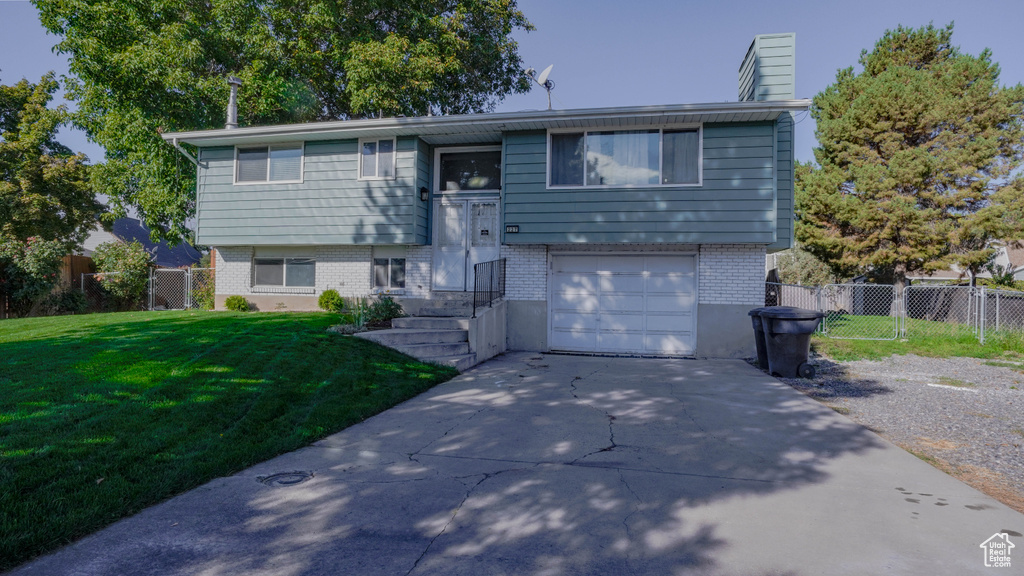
(624, 303)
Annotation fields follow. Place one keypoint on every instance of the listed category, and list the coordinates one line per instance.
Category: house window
(376, 159)
(269, 164)
(625, 158)
(284, 272)
(388, 274)
(470, 171)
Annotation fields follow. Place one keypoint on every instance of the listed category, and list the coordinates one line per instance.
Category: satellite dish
(542, 80)
(544, 75)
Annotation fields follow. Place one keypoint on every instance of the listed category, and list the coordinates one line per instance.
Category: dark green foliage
(29, 270)
(67, 300)
(917, 161)
(331, 301)
(44, 187)
(237, 304)
(105, 414)
(124, 271)
(149, 66)
(383, 310)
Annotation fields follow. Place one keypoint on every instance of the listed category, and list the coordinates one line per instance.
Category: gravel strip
(964, 414)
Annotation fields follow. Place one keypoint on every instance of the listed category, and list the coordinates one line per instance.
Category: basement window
(290, 273)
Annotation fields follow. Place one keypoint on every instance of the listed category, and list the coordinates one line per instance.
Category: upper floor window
(269, 163)
(625, 158)
(377, 159)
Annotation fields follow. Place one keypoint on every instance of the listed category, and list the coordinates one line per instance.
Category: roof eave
(429, 125)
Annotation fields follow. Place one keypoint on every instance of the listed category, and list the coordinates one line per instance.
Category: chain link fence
(1003, 311)
(860, 311)
(882, 312)
(942, 311)
(181, 289)
(99, 297)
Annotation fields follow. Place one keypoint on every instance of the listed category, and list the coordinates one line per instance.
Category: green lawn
(1002, 345)
(105, 414)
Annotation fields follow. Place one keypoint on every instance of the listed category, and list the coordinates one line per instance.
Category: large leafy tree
(150, 65)
(44, 186)
(917, 160)
(46, 204)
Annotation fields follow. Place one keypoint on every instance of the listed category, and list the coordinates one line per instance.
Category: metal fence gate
(181, 288)
(861, 311)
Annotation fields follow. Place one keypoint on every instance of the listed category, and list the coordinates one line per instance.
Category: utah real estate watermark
(997, 550)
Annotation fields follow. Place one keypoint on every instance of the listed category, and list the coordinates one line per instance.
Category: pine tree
(917, 161)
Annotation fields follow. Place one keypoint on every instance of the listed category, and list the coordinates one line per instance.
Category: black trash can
(787, 335)
(762, 351)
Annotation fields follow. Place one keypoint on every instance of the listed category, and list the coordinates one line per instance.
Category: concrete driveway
(550, 465)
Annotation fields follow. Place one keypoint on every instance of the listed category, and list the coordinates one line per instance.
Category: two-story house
(639, 230)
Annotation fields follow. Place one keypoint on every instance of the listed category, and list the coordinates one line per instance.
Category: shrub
(124, 271)
(237, 304)
(67, 300)
(204, 294)
(383, 310)
(28, 271)
(331, 301)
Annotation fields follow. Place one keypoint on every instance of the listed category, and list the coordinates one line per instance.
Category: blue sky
(620, 53)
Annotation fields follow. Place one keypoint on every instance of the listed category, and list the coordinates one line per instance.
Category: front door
(465, 233)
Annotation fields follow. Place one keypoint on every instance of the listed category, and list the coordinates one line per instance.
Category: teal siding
(786, 198)
(424, 179)
(736, 202)
(330, 206)
(768, 69)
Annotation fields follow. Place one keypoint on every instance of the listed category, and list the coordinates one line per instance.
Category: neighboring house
(129, 229)
(638, 230)
(1009, 256)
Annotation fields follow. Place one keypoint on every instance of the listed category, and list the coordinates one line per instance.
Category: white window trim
(456, 149)
(374, 289)
(283, 288)
(376, 158)
(302, 164)
(661, 140)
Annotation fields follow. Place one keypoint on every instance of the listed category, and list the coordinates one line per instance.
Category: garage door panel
(626, 283)
(567, 321)
(670, 283)
(618, 264)
(581, 264)
(622, 303)
(574, 340)
(675, 303)
(621, 341)
(669, 343)
(576, 302)
(621, 322)
(576, 282)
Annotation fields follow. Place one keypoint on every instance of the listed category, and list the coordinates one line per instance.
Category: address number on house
(512, 229)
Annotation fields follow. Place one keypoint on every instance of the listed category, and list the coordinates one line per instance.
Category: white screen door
(466, 234)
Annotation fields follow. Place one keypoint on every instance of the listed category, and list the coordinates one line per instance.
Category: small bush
(237, 304)
(124, 271)
(67, 300)
(383, 311)
(331, 301)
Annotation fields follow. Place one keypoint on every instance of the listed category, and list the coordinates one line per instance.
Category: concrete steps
(440, 340)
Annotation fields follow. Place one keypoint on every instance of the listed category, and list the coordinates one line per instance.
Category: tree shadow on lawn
(527, 465)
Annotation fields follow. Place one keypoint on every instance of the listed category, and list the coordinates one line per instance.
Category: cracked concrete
(551, 465)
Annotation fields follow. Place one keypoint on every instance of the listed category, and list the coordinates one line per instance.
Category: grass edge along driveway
(105, 414)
